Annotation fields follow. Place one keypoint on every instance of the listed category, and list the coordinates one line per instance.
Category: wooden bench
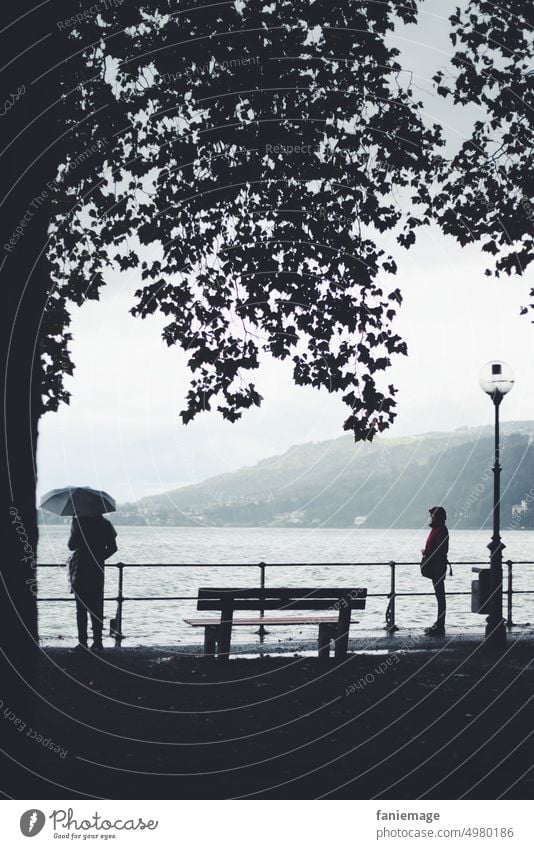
(332, 628)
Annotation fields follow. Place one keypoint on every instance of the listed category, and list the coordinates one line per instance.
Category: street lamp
(496, 379)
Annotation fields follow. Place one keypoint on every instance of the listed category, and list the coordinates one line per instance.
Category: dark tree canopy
(255, 152)
(487, 194)
(246, 158)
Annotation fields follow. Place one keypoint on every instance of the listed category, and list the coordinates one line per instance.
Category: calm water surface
(161, 623)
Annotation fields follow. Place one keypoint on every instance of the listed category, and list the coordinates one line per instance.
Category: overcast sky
(122, 431)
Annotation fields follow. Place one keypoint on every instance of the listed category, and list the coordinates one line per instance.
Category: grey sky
(122, 431)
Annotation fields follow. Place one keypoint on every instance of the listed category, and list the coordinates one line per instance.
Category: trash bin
(481, 591)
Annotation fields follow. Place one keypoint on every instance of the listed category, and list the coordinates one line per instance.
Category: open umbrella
(78, 501)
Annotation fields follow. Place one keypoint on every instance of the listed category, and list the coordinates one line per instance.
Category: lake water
(161, 623)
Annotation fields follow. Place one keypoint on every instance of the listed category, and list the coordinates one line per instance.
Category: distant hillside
(339, 483)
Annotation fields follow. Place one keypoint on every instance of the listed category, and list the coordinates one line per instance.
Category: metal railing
(391, 596)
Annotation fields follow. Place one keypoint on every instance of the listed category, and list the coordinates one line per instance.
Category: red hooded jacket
(437, 548)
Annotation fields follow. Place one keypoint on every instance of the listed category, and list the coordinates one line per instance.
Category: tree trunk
(30, 124)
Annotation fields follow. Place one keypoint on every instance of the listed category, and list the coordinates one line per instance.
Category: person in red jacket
(435, 563)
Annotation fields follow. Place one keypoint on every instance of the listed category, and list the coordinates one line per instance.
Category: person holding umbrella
(92, 540)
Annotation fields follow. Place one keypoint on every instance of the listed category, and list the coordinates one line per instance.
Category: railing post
(116, 625)
(510, 594)
(391, 626)
(261, 630)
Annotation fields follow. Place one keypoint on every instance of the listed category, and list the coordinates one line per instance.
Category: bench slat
(280, 604)
(282, 598)
(282, 592)
(267, 620)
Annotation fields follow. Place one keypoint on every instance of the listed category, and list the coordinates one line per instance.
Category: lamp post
(496, 379)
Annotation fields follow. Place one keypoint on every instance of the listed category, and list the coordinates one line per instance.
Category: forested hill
(337, 483)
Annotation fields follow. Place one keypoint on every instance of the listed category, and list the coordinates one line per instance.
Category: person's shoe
(80, 648)
(97, 648)
(435, 630)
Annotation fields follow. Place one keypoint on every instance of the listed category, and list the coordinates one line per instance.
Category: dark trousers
(439, 589)
(90, 601)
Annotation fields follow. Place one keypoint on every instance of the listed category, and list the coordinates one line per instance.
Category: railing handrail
(279, 565)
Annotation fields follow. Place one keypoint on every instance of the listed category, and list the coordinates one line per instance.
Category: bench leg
(342, 635)
(210, 639)
(225, 634)
(325, 635)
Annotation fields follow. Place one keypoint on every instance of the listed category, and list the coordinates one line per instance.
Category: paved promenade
(435, 719)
